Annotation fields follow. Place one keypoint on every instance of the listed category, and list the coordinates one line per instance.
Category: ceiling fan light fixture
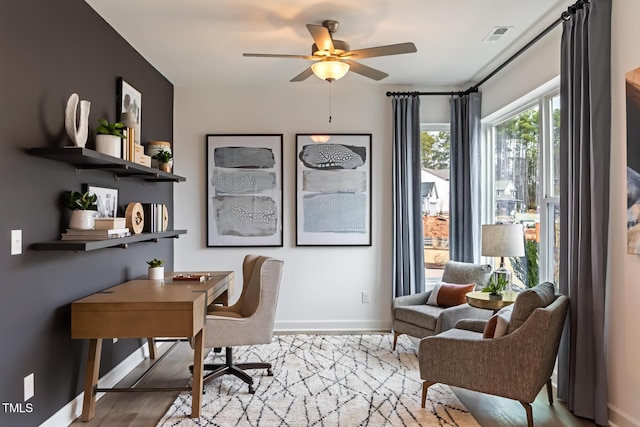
(320, 138)
(330, 69)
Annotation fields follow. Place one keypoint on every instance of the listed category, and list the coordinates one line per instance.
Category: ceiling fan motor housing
(339, 47)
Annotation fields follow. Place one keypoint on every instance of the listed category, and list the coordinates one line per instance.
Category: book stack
(153, 217)
(110, 223)
(85, 235)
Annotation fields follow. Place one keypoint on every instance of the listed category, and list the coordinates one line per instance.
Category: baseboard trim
(619, 418)
(72, 410)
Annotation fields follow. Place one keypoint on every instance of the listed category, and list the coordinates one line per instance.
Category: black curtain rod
(566, 15)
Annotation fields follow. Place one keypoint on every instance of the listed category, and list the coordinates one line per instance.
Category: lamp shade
(330, 69)
(502, 240)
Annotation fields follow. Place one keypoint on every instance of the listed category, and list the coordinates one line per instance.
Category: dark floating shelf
(85, 246)
(84, 158)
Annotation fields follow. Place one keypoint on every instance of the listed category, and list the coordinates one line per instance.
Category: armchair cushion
(423, 316)
(449, 294)
(539, 296)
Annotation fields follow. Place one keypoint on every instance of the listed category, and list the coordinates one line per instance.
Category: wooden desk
(481, 299)
(145, 308)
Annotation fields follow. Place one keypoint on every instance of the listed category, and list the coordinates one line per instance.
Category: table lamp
(502, 240)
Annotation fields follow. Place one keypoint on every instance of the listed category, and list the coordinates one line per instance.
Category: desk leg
(152, 348)
(196, 384)
(91, 379)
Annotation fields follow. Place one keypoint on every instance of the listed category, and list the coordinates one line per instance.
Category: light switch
(16, 242)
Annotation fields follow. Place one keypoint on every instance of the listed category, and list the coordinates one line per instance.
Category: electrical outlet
(365, 297)
(29, 389)
(16, 242)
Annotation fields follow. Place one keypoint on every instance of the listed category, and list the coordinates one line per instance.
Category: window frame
(541, 98)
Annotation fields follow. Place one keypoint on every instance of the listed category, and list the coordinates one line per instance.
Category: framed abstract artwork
(333, 190)
(244, 190)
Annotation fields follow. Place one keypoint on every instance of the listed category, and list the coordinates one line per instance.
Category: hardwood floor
(146, 409)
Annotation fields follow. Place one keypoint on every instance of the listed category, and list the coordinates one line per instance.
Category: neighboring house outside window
(435, 141)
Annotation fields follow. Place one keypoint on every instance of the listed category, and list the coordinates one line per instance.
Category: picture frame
(107, 200)
(333, 189)
(129, 108)
(244, 174)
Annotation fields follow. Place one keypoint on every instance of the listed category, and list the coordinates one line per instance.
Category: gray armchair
(412, 316)
(515, 365)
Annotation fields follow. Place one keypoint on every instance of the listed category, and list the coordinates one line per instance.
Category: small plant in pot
(164, 159)
(156, 269)
(496, 286)
(83, 209)
(109, 137)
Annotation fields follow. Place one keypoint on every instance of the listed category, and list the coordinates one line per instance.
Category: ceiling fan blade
(277, 55)
(363, 70)
(321, 37)
(392, 49)
(303, 75)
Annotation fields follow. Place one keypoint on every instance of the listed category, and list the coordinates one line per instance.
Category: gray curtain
(464, 178)
(408, 241)
(585, 140)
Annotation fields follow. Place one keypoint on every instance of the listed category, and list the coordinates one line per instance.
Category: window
(522, 178)
(435, 154)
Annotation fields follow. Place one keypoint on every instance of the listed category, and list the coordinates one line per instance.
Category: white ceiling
(200, 42)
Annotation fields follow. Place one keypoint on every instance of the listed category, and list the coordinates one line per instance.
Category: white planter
(82, 220)
(109, 144)
(156, 273)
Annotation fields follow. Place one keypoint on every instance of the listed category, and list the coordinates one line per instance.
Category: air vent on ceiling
(495, 34)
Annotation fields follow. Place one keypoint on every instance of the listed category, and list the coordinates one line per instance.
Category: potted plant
(496, 286)
(109, 137)
(164, 159)
(83, 209)
(156, 269)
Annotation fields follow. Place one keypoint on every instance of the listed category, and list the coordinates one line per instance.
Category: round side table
(481, 299)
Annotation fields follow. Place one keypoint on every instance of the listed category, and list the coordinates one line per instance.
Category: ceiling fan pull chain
(329, 101)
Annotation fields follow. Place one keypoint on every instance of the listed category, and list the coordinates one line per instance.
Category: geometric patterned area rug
(324, 381)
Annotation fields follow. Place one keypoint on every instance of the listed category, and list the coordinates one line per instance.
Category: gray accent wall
(48, 50)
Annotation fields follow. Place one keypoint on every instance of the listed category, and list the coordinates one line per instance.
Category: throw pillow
(498, 324)
(449, 294)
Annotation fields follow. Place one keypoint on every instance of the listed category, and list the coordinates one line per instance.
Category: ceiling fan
(334, 57)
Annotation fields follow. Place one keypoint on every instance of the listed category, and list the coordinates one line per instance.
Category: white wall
(530, 71)
(321, 288)
(624, 290)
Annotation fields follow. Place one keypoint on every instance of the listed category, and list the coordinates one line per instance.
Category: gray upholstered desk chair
(249, 321)
(413, 316)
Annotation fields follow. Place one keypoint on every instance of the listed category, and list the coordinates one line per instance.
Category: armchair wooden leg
(425, 386)
(550, 391)
(395, 339)
(529, 410)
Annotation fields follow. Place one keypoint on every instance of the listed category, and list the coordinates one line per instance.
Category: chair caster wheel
(270, 372)
(252, 390)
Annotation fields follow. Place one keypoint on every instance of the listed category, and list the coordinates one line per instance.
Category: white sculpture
(78, 130)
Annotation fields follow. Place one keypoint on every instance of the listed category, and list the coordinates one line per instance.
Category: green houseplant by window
(83, 209)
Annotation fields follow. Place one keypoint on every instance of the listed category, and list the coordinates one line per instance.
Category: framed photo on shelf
(333, 190)
(129, 107)
(107, 200)
(244, 190)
